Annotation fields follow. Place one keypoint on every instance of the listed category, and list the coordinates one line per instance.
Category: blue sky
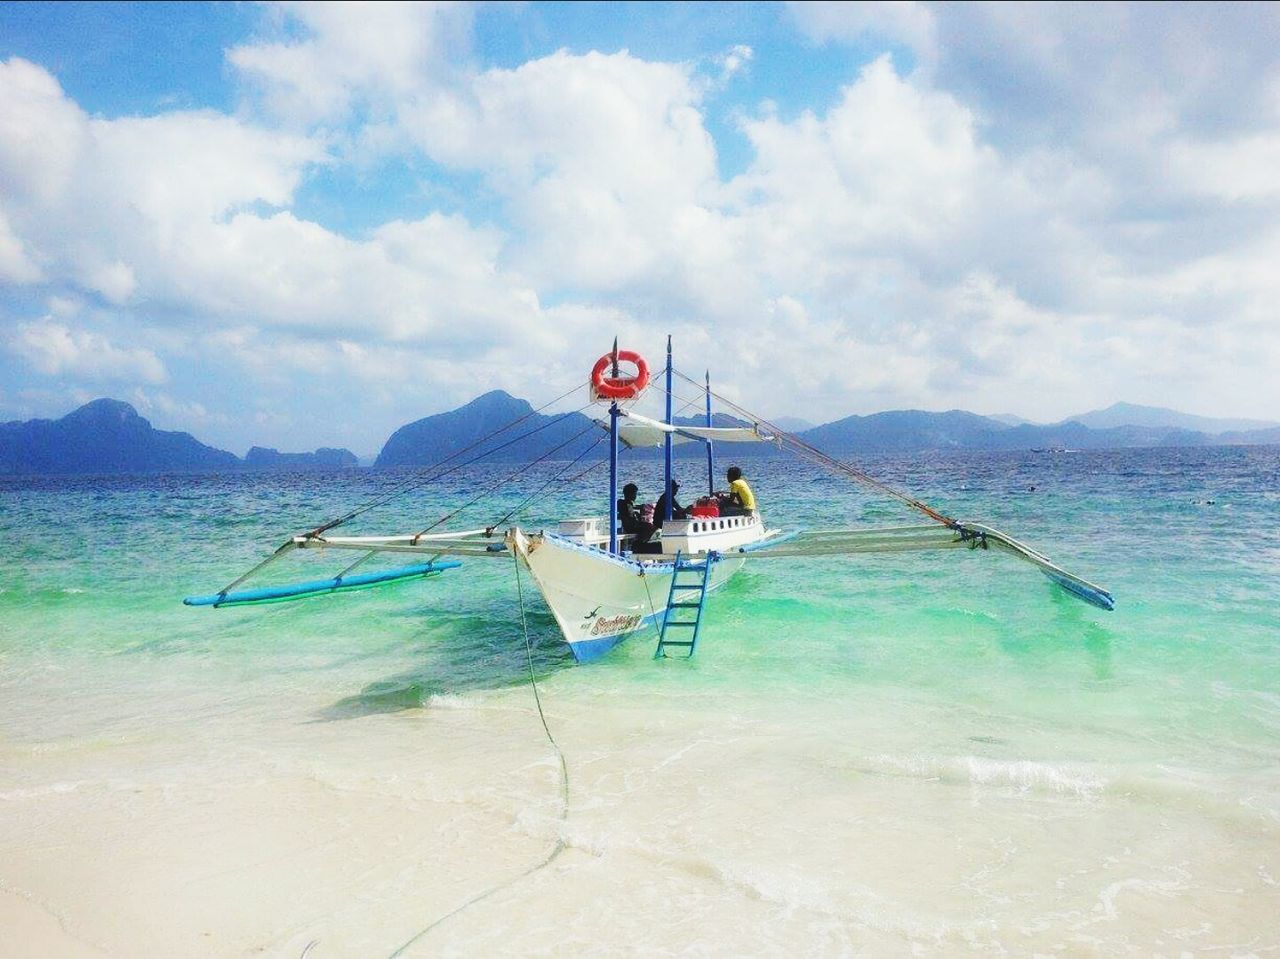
(298, 225)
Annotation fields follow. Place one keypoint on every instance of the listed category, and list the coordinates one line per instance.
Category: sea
(877, 755)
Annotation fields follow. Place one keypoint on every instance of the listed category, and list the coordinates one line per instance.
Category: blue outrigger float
(598, 587)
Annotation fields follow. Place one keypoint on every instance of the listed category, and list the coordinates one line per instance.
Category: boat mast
(666, 444)
(711, 456)
(613, 461)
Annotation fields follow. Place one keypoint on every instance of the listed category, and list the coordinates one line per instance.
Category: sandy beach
(270, 826)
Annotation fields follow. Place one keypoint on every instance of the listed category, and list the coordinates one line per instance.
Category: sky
(297, 225)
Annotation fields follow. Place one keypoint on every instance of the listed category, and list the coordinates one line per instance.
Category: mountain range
(431, 439)
(108, 436)
(1130, 414)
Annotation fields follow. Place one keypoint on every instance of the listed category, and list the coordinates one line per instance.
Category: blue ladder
(696, 576)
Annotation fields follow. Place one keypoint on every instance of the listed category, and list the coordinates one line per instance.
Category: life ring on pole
(619, 387)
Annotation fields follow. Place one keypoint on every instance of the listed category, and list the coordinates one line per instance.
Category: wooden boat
(601, 586)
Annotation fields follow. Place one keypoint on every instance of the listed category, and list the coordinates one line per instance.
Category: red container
(711, 508)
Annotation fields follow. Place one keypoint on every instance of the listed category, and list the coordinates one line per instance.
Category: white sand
(186, 828)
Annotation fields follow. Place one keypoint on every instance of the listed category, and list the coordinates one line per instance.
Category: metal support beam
(613, 477)
(711, 456)
(666, 446)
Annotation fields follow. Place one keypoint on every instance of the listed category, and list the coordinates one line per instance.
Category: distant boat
(1052, 449)
(600, 586)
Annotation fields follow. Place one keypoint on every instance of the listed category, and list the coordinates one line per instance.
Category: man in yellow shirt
(741, 500)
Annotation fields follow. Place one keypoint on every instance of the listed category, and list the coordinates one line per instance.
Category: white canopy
(643, 431)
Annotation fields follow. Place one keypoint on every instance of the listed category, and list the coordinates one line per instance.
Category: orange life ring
(619, 387)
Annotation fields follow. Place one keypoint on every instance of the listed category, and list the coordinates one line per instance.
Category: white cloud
(1232, 170)
(59, 350)
(732, 62)
(599, 156)
(354, 56)
(16, 265)
(889, 166)
(909, 22)
(166, 210)
(1055, 208)
(40, 132)
(114, 207)
(188, 412)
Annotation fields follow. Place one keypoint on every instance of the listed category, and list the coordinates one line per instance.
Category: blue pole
(613, 478)
(666, 446)
(711, 456)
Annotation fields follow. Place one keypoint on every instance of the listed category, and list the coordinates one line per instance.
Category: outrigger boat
(602, 587)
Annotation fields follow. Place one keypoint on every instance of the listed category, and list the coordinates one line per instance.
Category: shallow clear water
(911, 751)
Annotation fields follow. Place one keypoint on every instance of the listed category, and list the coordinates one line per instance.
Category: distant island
(109, 436)
(431, 439)
(325, 458)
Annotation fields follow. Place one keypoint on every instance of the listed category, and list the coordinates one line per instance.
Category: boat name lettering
(615, 624)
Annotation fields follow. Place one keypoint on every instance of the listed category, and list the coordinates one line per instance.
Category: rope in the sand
(559, 846)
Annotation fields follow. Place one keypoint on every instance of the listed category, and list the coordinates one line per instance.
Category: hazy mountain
(1130, 414)
(1250, 437)
(433, 438)
(1077, 436)
(903, 430)
(907, 430)
(325, 458)
(108, 436)
(1009, 419)
(718, 420)
(792, 424)
(105, 436)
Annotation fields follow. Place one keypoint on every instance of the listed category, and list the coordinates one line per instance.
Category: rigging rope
(577, 476)
(528, 499)
(805, 448)
(416, 482)
(501, 483)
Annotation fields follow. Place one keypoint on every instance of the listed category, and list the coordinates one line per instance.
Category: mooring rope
(559, 846)
(653, 610)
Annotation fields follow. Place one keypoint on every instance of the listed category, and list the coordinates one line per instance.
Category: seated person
(629, 517)
(660, 510)
(739, 501)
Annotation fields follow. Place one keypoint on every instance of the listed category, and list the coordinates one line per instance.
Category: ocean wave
(1023, 775)
(453, 701)
(856, 904)
(791, 889)
(36, 792)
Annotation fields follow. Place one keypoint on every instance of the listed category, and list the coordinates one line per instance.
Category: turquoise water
(868, 754)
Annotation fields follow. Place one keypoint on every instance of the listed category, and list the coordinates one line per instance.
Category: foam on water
(1022, 775)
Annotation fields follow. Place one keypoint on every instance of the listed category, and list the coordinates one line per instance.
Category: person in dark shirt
(660, 510)
(629, 517)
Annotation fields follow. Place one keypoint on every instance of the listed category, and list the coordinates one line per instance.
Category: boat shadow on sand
(459, 652)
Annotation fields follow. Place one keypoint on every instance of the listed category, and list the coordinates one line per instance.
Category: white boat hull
(598, 599)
